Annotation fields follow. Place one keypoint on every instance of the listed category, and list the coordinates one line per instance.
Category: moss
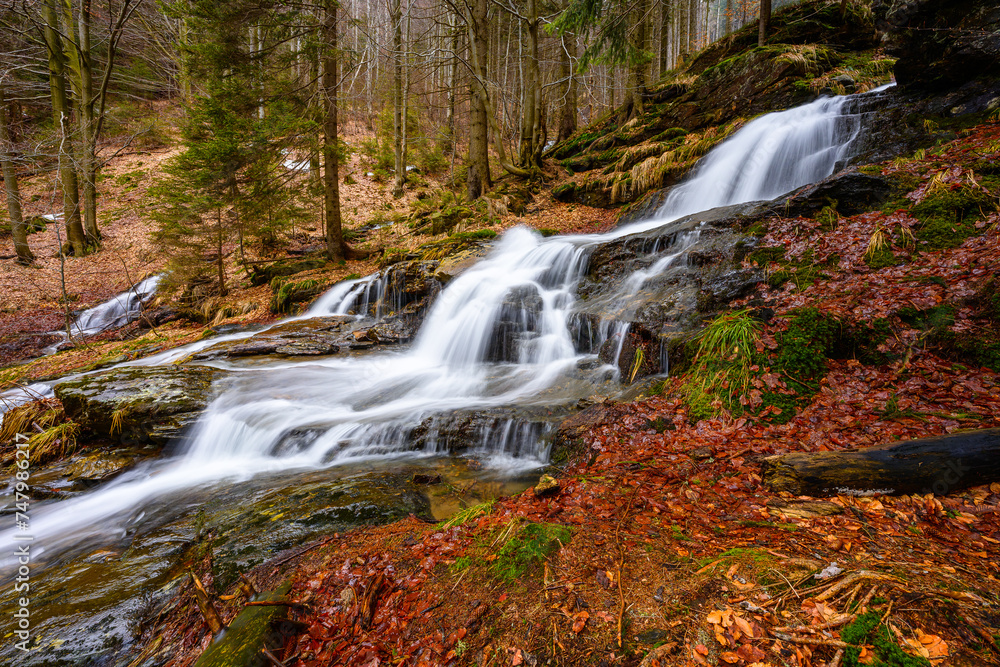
(828, 217)
(881, 258)
(866, 629)
(286, 294)
(670, 134)
(564, 192)
(249, 632)
(947, 217)
(477, 235)
(530, 546)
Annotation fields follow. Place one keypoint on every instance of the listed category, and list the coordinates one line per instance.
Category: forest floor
(662, 546)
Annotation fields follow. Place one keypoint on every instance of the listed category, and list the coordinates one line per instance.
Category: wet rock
(701, 453)
(673, 302)
(423, 478)
(516, 321)
(850, 192)
(97, 467)
(547, 486)
(139, 404)
(568, 441)
(299, 338)
(518, 431)
(636, 353)
(252, 630)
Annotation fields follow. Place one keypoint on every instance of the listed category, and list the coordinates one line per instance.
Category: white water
(348, 409)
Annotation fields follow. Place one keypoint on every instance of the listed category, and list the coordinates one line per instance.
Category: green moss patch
(529, 547)
(866, 630)
(947, 217)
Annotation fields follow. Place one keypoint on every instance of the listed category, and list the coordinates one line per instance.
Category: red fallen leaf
(750, 653)
(517, 658)
(503, 596)
(580, 620)
(701, 648)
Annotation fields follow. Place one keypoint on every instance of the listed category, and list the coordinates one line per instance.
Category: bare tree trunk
(396, 17)
(478, 179)
(531, 95)
(82, 82)
(765, 22)
(19, 231)
(220, 263)
(61, 114)
(335, 245)
(449, 143)
(637, 72)
(664, 37)
(570, 101)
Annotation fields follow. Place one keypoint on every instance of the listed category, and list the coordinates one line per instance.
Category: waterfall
(500, 334)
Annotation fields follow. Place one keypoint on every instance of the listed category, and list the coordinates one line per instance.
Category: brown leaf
(580, 620)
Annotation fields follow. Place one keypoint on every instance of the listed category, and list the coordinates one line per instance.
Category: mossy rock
(268, 272)
(139, 404)
(287, 294)
(564, 192)
(253, 628)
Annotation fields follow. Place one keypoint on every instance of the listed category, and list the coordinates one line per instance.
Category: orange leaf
(730, 657)
(580, 620)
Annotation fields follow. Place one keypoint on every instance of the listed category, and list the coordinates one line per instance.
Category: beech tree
(8, 161)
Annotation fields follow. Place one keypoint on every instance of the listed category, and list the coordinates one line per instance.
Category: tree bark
(532, 95)
(396, 17)
(570, 100)
(449, 142)
(19, 231)
(61, 114)
(82, 82)
(764, 24)
(664, 37)
(637, 72)
(939, 465)
(478, 180)
(335, 245)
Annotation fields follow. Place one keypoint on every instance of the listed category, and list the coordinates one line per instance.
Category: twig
(811, 641)
(270, 656)
(621, 566)
(836, 623)
(787, 582)
(979, 630)
(837, 657)
(853, 578)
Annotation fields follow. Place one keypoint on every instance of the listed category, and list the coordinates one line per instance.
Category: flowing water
(499, 336)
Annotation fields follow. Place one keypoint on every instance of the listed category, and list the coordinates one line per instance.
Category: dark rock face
(849, 191)
(150, 405)
(942, 44)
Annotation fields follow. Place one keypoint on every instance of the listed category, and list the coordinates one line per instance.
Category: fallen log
(938, 465)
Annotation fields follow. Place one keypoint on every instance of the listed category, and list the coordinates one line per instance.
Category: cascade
(502, 333)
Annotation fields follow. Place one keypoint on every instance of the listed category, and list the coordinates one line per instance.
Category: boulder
(312, 337)
(942, 44)
(145, 405)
